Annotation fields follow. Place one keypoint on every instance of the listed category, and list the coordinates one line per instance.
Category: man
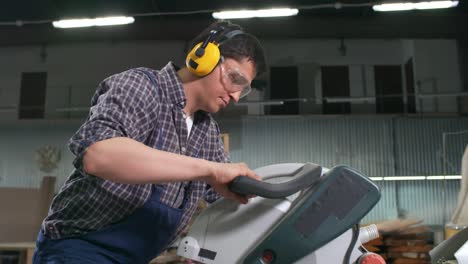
(148, 152)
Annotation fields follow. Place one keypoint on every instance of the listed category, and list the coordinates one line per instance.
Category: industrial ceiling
(27, 22)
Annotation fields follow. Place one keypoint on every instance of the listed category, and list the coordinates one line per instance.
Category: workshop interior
(358, 128)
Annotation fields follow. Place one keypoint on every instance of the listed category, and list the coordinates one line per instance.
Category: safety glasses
(235, 80)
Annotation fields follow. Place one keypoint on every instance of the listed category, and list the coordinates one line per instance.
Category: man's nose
(235, 96)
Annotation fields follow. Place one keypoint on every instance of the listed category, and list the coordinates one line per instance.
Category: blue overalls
(136, 239)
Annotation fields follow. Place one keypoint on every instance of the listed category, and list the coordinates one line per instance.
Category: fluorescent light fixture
(435, 177)
(404, 178)
(91, 22)
(274, 12)
(416, 178)
(440, 177)
(453, 177)
(416, 5)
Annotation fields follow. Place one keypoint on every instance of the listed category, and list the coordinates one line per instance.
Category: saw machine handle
(306, 177)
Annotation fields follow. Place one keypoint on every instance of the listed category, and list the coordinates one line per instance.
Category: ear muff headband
(204, 57)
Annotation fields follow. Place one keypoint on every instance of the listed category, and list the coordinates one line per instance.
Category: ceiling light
(453, 177)
(416, 5)
(90, 22)
(274, 12)
(448, 177)
(376, 178)
(415, 178)
(404, 178)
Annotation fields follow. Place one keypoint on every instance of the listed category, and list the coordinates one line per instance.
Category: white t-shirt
(189, 121)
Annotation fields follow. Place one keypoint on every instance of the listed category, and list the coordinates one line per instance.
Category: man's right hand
(223, 173)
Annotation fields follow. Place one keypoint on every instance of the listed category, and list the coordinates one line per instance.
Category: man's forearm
(128, 161)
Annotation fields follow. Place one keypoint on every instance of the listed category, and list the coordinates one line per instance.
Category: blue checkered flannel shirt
(129, 105)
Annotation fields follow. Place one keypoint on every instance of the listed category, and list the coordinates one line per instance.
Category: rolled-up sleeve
(125, 105)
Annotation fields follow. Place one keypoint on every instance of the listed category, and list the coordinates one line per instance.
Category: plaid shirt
(129, 105)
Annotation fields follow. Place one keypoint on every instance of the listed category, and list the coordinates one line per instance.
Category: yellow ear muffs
(202, 60)
(204, 57)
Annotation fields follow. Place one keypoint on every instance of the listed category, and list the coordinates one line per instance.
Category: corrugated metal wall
(365, 144)
(425, 199)
(376, 146)
(419, 145)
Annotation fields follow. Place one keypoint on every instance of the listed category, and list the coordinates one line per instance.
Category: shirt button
(183, 149)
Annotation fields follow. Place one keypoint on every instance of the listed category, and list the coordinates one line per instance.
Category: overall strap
(152, 79)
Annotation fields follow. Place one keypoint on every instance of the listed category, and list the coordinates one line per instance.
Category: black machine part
(307, 176)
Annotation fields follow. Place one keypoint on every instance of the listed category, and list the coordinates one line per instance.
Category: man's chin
(217, 110)
(213, 110)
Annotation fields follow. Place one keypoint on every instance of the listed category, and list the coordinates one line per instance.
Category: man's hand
(223, 173)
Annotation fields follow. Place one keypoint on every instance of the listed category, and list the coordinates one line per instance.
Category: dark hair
(238, 47)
